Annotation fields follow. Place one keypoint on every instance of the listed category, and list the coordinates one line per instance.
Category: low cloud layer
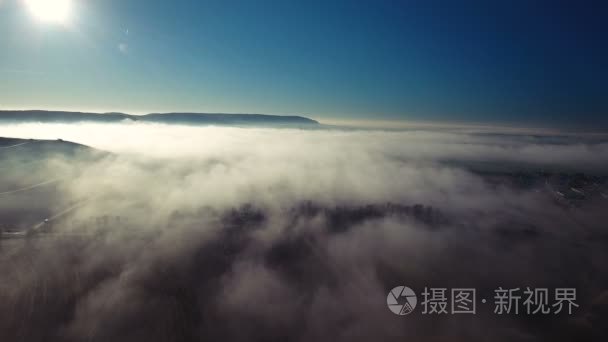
(423, 144)
(222, 233)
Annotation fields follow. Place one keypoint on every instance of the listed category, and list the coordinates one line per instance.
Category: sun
(57, 11)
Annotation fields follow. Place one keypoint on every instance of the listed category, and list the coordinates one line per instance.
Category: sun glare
(57, 11)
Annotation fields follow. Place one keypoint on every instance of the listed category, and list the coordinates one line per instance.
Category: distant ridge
(36, 148)
(168, 118)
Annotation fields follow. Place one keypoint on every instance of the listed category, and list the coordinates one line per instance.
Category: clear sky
(482, 61)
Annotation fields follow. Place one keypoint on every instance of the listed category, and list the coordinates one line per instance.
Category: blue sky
(529, 62)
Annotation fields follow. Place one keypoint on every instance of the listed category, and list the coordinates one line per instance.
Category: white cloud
(178, 264)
